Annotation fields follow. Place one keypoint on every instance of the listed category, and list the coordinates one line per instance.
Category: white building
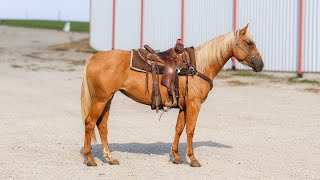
(275, 26)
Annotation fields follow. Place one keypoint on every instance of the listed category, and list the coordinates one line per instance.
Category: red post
(141, 23)
(300, 70)
(182, 21)
(113, 22)
(234, 29)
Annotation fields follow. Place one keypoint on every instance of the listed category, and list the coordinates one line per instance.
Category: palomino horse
(107, 72)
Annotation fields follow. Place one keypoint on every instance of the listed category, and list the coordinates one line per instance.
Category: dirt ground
(250, 127)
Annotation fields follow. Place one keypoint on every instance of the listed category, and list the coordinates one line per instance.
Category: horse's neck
(212, 55)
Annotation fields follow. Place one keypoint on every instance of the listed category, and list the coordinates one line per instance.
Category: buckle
(192, 70)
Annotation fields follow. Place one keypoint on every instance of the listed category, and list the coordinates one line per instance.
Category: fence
(286, 32)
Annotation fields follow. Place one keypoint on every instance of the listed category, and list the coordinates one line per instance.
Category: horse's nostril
(257, 65)
(261, 66)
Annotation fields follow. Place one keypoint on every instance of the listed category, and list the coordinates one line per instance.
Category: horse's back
(109, 60)
(107, 70)
(106, 56)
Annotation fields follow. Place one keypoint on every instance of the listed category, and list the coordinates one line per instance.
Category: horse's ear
(243, 31)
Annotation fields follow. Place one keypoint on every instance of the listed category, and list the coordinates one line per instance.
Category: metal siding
(101, 24)
(127, 30)
(274, 28)
(162, 23)
(207, 19)
(311, 54)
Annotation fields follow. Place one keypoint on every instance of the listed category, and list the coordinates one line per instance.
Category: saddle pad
(138, 64)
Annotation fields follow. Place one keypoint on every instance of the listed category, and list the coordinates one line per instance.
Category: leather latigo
(156, 95)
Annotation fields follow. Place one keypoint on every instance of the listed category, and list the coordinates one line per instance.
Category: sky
(73, 10)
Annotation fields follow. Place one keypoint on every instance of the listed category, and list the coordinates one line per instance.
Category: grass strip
(58, 25)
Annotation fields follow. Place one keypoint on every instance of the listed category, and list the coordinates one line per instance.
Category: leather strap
(204, 77)
(194, 71)
(191, 67)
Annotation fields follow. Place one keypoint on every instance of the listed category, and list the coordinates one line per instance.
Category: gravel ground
(249, 127)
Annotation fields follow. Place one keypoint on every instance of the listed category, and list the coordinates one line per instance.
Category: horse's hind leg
(103, 131)
(90, 122)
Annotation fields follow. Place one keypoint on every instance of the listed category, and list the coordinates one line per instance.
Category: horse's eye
(249, 43)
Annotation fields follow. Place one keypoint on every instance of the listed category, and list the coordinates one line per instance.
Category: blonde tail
(86, 98)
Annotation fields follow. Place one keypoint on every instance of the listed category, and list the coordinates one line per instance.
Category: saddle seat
(163, 57)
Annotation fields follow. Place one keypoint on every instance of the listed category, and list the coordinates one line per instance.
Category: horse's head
(245, 50)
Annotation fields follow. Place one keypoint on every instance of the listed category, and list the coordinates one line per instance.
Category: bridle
(237, 45)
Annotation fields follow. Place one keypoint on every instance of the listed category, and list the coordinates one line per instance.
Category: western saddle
(170, 63)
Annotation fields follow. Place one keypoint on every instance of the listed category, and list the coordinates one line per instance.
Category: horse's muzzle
(257, 64)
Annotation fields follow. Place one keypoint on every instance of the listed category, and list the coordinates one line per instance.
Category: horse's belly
(135, 87)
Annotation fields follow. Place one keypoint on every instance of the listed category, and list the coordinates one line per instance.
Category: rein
(246, 52)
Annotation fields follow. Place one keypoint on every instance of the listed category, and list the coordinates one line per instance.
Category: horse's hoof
(195, 163)
(177, 161)
(114, 162)
(91, 163)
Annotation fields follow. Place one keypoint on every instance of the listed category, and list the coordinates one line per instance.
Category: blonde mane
(215, 52)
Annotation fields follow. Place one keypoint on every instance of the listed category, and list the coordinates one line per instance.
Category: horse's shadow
(158, 148)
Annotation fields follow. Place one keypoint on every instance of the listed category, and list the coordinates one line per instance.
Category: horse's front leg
(192, 111)
(181, 121)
